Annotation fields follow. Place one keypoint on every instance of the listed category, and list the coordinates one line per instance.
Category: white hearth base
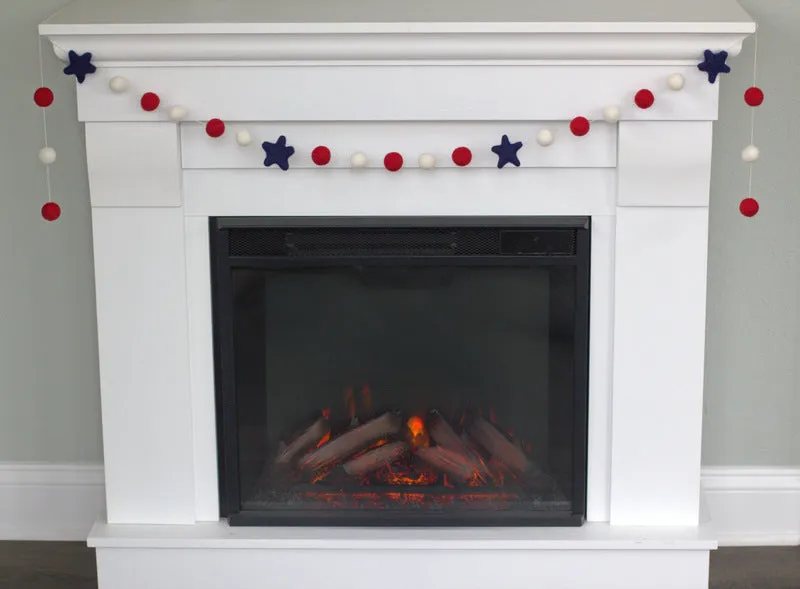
(213, 555)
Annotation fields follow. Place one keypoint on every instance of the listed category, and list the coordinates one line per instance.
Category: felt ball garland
(462, 156)
(427, 161)
(644, 99)
(177, 113)
(753, 97)
(118, 84)
(150, 101)
(215, 128)
(393, 161)
(321, 155)
(43, 97)
(51, 211)
(545, 138)
(243, 138)
(579, 126)
(749, 207)
(358, 160)
(278, 154)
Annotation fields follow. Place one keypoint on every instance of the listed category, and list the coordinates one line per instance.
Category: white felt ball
(47, 155)
(750, 154)
(243, 138)
(545, 137)
(118, 84)
(611, 114)
(676, 82)
(177, 112)
(358, 160)
(427, 161)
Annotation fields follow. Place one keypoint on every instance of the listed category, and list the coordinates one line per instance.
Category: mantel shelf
(366, 30)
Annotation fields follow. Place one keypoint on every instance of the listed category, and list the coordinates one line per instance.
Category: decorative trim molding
(751, 506)
(163, 48)
(40, 501)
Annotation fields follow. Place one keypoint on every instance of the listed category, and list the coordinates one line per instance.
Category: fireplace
(312, 371)
(402, 371)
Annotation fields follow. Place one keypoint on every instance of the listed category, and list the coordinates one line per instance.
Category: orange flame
(325, 439)
(417, 434)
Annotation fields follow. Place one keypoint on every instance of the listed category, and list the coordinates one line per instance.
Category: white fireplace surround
(375, 78)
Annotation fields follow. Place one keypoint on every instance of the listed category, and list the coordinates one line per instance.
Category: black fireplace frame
(222, 263)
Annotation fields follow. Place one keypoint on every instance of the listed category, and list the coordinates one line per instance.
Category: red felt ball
(51, 211)
(215, 128)
(393, 161)
(749, 207)
(150, 101)
(754, 96)
(43, 97)
(462, 156)
(579, 126)
(321, 155)
(644, 98)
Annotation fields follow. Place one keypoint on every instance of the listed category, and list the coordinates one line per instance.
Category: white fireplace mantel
(307, 30)
(414, 77)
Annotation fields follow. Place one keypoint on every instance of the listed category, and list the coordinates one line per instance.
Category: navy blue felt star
(507, 152)
(714, 64)
(278, 153)
(80, 66)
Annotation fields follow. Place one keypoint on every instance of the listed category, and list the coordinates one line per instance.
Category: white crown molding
(591, 47)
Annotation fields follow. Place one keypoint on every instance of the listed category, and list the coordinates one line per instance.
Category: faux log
(476, 457)
(351, 441)
(444, 435)
(498, 445)
(376, 458)
(448, 462)
(305, 441)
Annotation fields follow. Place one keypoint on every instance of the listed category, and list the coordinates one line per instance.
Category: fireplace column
(663, 179)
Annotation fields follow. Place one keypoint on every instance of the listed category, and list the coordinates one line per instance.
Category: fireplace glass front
(401, 371)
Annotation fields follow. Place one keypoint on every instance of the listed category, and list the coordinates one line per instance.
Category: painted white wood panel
(664, 164)
(133, 165)
(201, 365)
(408, 192)
(247, 42)
(375, 140)
(601, 340)
(140, 273)
(233, 568)
(405, 92)
(589, 537)
(659, 336)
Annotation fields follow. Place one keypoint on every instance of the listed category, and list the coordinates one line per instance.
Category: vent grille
(316, 242)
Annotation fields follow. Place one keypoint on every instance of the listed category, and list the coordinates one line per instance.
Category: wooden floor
(62, 565)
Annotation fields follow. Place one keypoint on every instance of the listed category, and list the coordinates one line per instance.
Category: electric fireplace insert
(401, 371)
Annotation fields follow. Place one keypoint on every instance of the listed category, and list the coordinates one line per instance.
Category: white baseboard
(753, 506)
(748, 506)
(49, 501)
